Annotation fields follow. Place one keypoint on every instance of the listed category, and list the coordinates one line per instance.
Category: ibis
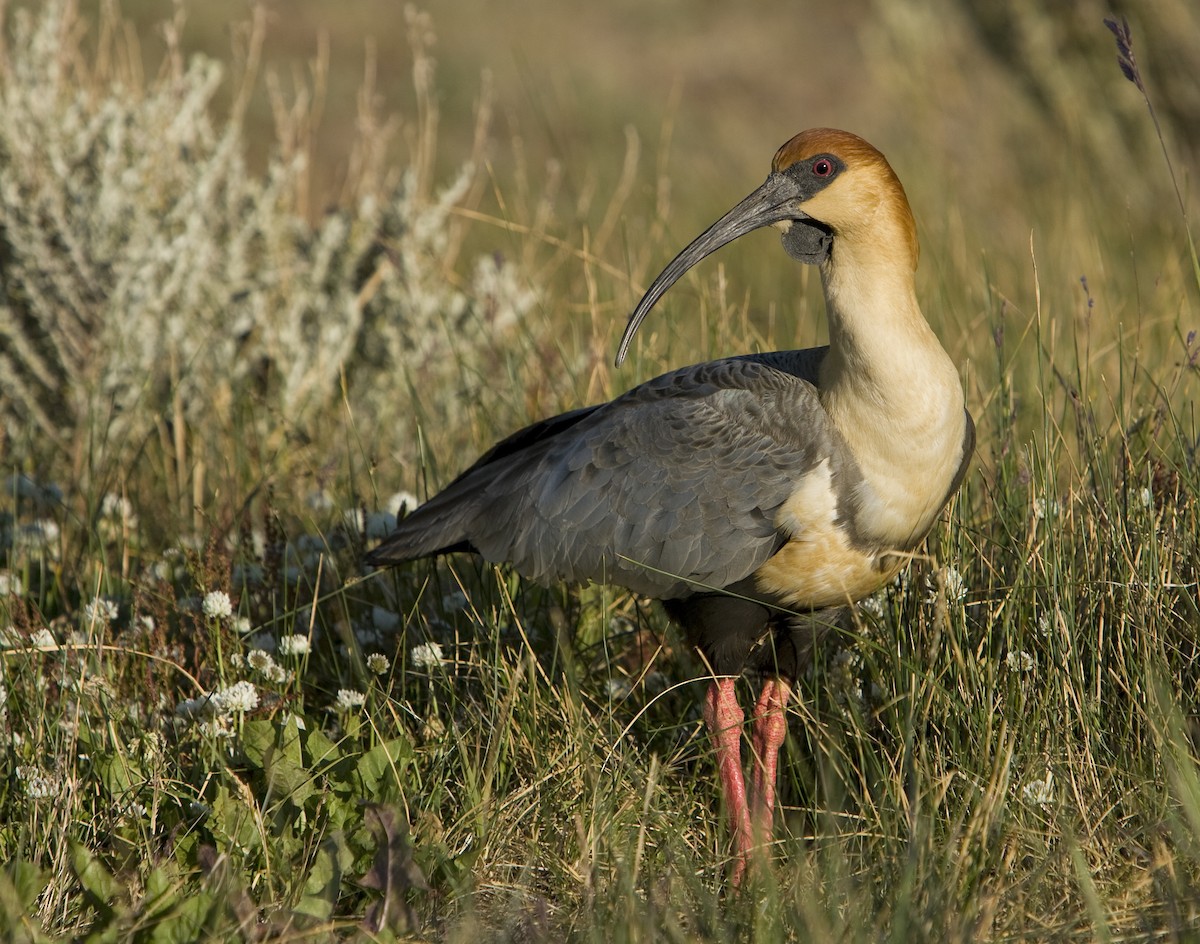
(757, 496)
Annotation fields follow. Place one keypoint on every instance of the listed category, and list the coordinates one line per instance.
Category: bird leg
(724, 717)
(770, 730)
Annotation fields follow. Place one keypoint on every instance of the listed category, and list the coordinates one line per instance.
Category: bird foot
(769, 733)
(750, 820)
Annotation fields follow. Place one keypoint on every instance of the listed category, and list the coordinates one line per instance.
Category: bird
(757, 496)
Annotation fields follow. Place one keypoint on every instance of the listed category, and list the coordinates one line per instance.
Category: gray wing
(675, 484)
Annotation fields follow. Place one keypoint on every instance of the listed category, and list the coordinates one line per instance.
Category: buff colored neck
(890, 387)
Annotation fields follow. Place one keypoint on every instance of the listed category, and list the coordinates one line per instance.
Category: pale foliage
(145, 270)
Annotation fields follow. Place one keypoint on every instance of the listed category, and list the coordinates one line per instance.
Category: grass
(1003, 749)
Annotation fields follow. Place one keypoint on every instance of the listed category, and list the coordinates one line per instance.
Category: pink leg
(770, 730)
(724, 718)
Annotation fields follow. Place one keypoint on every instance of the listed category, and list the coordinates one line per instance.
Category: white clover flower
(319, 500)
(42, 638)
(873, 606)
(1147, 498)
(216, 728)
(242, 625)
(427, 655)
(99, 612)
(239, 697)
(616, 687)
(151, 745)
(1043, 624)
(402, 501)
(217, 605)
(1045, 508)
(116, 507)
(191, 708)
(237, 660)
(263, 663)
(145, 623)
(378, 664)
(951, 580)
(844, 678)
(170, 567)
(349, 700)
(1039, 792)
(10, 584)
(38, 537)
(1019, 661)
(294, 645)
(39, 785)
(956, 586)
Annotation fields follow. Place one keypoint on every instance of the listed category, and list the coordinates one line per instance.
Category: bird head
(826, 186)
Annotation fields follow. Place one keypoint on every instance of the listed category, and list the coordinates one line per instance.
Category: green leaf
(275, 749)
(320, 750)
(162, 891)
(258, 737)
(99, 886)
(233, 825)
(120, 777)
(324, 883)
(20, 884)
(380, 768)
(157, 883)
(185, 922)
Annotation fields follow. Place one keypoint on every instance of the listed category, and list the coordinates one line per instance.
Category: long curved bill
(776, 200)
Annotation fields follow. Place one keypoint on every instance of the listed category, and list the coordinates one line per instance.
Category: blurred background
(988, 100)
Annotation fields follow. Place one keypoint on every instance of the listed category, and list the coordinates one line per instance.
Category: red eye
(822, 167)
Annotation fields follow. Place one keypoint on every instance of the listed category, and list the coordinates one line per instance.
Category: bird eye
(822, 167)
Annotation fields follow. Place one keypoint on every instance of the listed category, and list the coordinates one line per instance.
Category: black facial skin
(808, 241)
(804, 173)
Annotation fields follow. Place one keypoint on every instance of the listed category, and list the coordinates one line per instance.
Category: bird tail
(437, 527)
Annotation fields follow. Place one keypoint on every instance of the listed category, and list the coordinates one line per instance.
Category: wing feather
(673, 485)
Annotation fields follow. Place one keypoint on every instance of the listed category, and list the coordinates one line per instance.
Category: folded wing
(676, 484)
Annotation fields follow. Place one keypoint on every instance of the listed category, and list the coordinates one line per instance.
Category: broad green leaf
(378, 769)
(98, 883)
(324, 882)
(320, 751)
(20, 884)
(183, 924)
(233, 825)
(275, 749)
